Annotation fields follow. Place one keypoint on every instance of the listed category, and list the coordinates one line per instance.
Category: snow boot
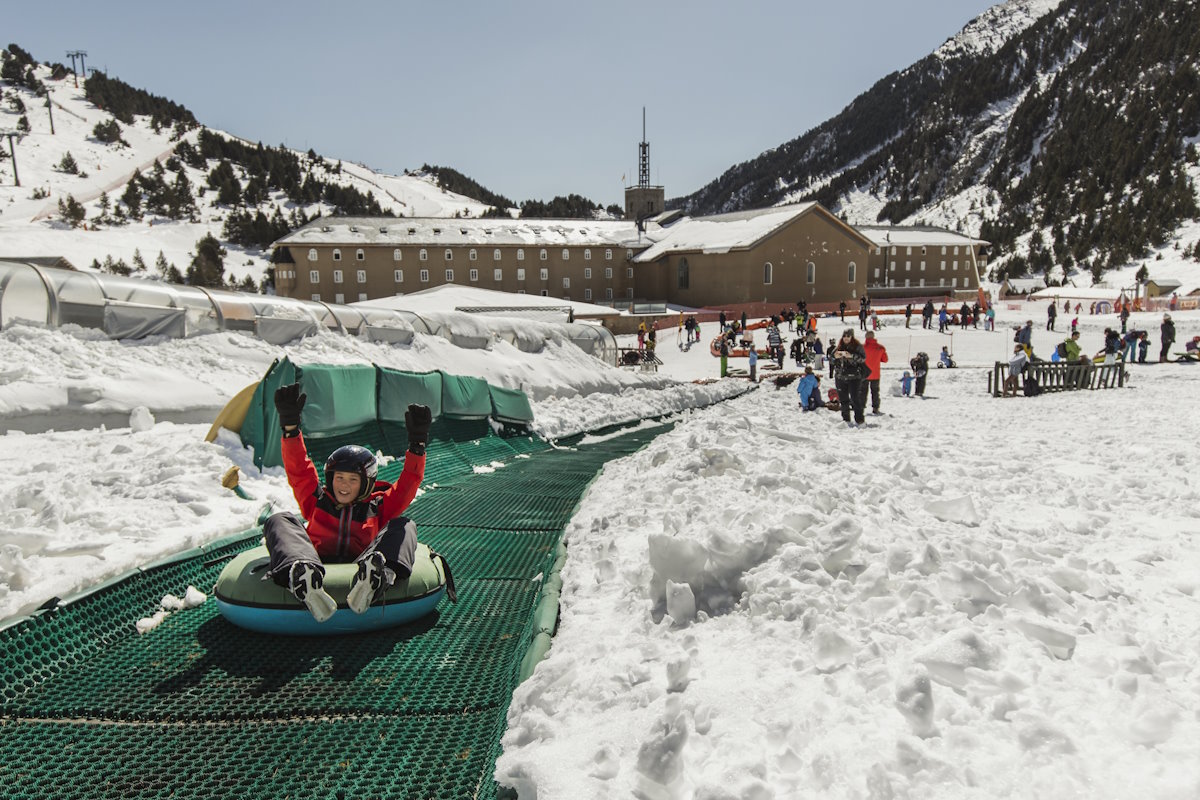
(370, 582)
(305, 582)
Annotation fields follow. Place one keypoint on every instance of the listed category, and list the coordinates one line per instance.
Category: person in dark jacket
(1051, 315)
(927, 315)
(350, 518)
(907, 315)
(842, 310)
(1168, 336)
(1112, 345)
(849, 370)
(920, 368)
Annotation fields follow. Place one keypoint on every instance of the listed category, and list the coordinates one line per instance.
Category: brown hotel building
(775, 255)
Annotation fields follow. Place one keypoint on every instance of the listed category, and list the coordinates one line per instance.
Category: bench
(644, 360)
(1061, 376)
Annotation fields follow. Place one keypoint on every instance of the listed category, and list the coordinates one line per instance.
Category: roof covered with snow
(450, 297)
(723, 232)
(436, 231)
(905, 235)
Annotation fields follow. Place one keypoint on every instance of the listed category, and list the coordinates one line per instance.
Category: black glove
(288, 402)
(417, 419)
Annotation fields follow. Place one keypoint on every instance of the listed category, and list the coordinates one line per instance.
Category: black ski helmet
(356, 459)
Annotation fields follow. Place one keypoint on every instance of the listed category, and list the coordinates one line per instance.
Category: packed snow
(967, 597)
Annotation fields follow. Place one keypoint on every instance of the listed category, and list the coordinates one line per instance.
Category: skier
(350, 517)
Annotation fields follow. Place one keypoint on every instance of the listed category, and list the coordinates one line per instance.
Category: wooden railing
(1061, 376)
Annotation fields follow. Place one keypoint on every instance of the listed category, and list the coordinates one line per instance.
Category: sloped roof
(440, 231)
(453, 297)
(913, 235)
(722, 233)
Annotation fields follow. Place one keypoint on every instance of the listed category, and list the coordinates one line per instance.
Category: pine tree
(160, 265)
(105, 207)
(208, 267)
(132, 197)
(71, 211)
(139, 263)
(68, 165)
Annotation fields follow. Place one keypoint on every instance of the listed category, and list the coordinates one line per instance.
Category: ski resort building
(776, 255)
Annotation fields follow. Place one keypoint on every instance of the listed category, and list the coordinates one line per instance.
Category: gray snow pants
(288, 543)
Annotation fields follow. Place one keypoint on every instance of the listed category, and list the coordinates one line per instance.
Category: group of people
(855, 368)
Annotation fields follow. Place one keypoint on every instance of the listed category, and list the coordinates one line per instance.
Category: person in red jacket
(876, 355)
(350, 518)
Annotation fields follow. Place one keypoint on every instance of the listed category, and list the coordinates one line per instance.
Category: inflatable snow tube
(250, 602)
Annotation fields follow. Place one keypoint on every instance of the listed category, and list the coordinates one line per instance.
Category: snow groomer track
(197, 708)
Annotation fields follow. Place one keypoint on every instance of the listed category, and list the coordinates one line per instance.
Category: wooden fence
(1061, 376)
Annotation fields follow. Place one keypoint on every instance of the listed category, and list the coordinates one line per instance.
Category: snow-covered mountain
(31, 222)
(1063, 131)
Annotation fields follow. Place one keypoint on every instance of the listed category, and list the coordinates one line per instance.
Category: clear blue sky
(531, 99)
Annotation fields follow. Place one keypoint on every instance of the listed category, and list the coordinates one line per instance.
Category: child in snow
(348, 518)
(809, 390)
(944, 359)
(906, 382)
(753, 366)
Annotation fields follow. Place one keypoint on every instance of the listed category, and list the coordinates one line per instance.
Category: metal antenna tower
(644, 156)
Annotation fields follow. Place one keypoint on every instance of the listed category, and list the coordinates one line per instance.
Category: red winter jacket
(340, 533)
(876, 355)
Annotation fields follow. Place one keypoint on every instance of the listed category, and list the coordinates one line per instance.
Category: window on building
(314, 276)
(520, 274)
(608, 273)
(922, 266)
(907, 283)
(768, 272)
(608, 293)
(923, 249)
(922, 283)
(810, 272)
(496, 254)
(362, 297)
(878, 251)
(361, 275)
(337, 255)
(587, 295)
(396, 255)
(472, 255)
(908, 250)
(955, 249)
(941, 282)
(587, 254)
(339, 298)
(629, 272)
(316, 298)
(893, 249)
(566, 283)
(337, 276)
(520, 254)
(629, 293)
(497, 274)
(312, 254)
(398, 275)
(566, 254)
(956, 265)
(943, 249)
(473, 275)
(587, 273)
(449, 254)
(423, 255)
(877, 273)
(360, 255)
(628, 255)
(424, 276)
(608, 255)
(893, 265)
(954, 283)
(850, 272)
(544, 274)
(449, 276)
(542, 254)
(545, 292)
(683, 276)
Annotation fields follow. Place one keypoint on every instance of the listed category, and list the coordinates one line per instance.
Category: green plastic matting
(198, 708)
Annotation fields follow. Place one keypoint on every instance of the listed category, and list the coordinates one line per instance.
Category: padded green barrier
(339, 398)
(397, 389)
(510, 405)
(464, 397)
(198, 708)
